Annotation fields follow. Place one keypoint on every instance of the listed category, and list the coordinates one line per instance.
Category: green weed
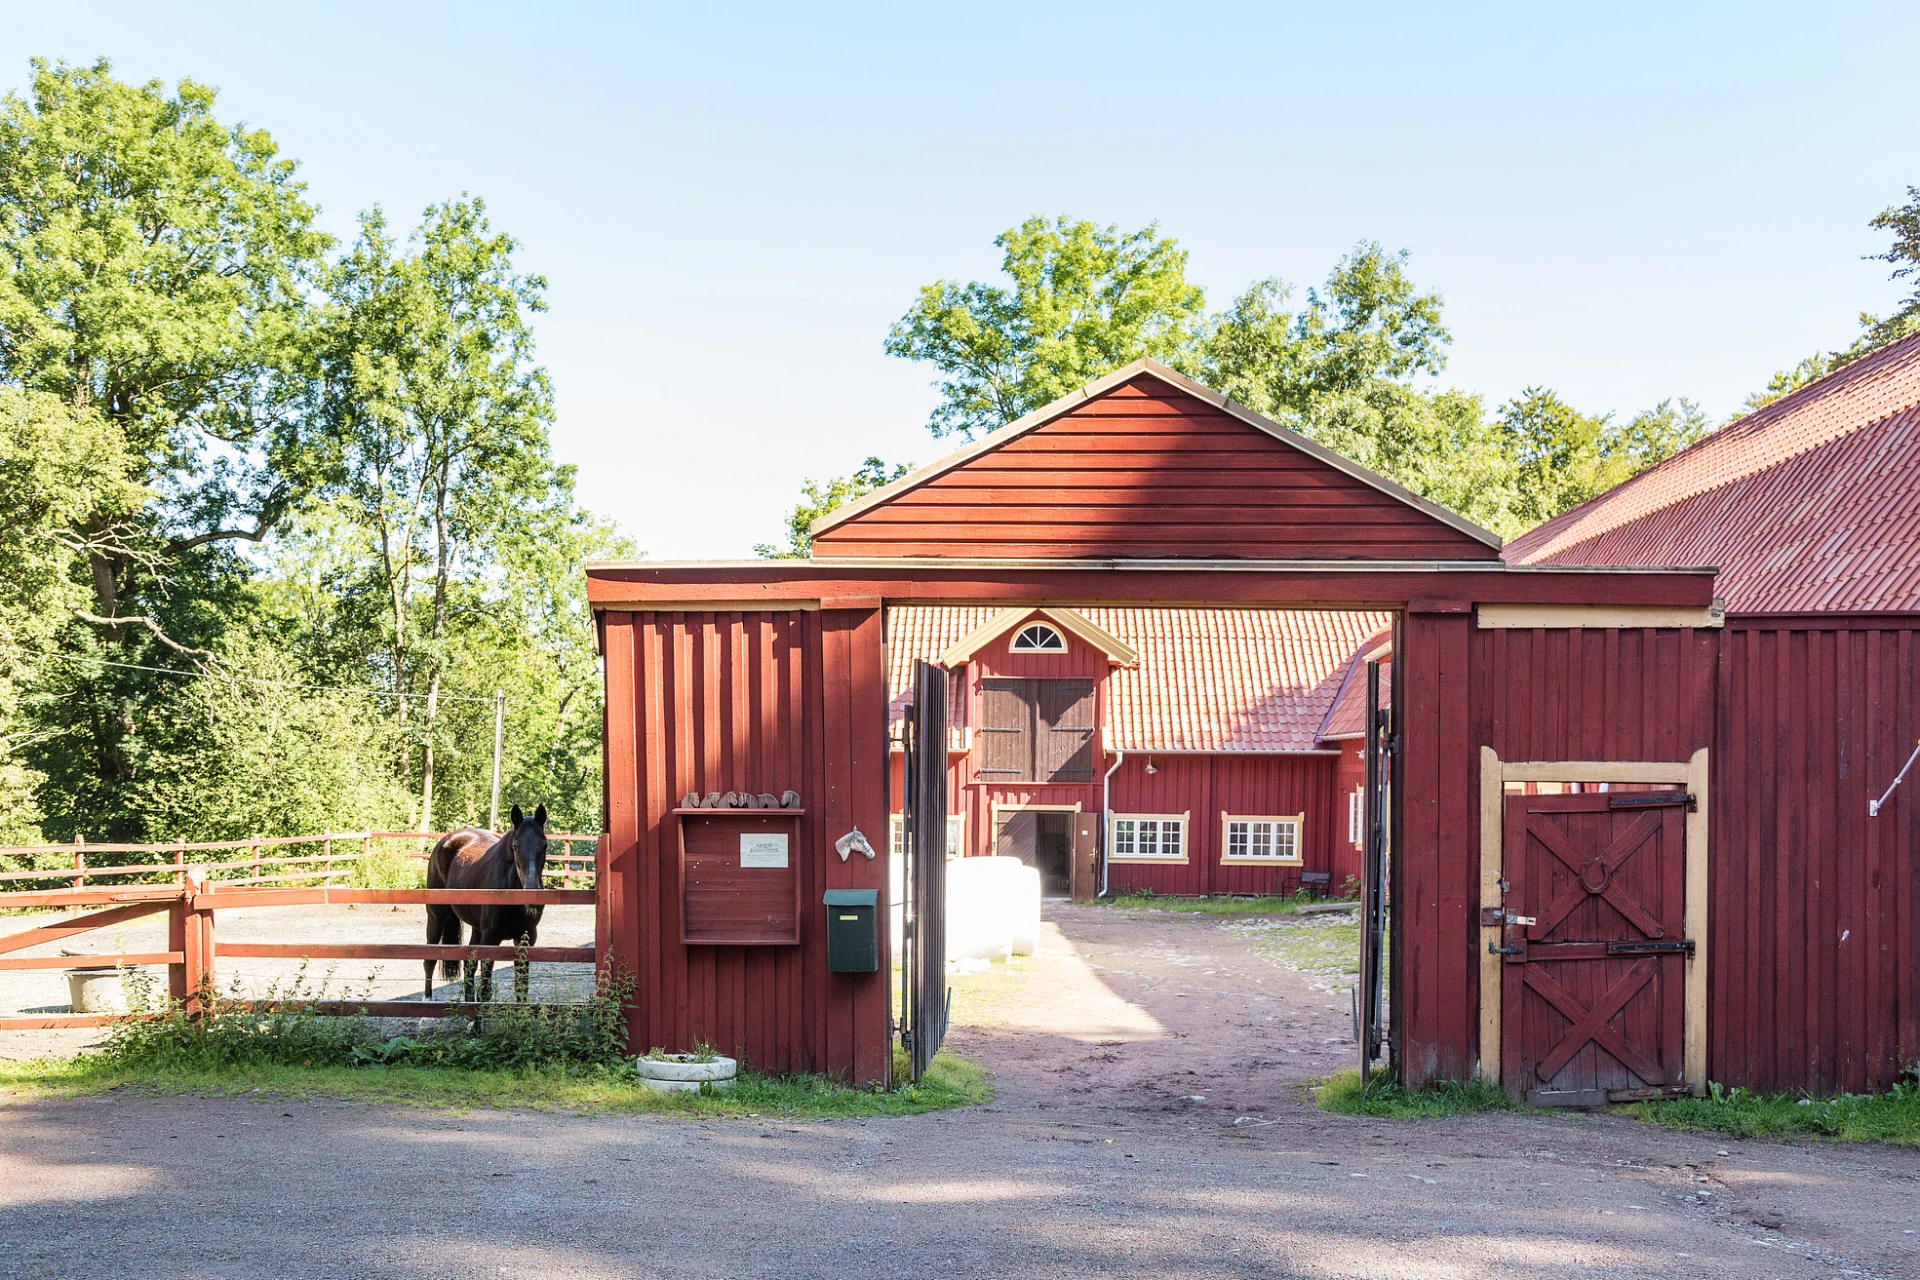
(1893, 1116)
(282, 1029)
(1382, 1095)
(952, 1082)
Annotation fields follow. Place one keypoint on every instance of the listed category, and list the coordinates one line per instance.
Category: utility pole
(499, 733)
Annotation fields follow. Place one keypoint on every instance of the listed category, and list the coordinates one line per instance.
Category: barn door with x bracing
(1594, 993)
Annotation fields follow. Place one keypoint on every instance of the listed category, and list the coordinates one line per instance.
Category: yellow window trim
(1299, 821)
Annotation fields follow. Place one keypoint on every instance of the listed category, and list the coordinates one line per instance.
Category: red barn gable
(1145, 463)
(1811, 504)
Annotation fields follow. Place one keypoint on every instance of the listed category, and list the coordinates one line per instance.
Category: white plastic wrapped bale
(993, 908)
(1025, 905)
(979, 926)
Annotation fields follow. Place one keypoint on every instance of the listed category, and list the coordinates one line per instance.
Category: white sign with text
(763, 850)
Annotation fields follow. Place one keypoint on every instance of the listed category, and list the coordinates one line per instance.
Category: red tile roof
(1810, 504)
(1207, 680)
(1347, 717)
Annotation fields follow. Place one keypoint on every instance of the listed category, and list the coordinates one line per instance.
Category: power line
(277, 684)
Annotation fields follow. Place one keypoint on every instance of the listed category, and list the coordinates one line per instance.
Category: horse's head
(527, 839)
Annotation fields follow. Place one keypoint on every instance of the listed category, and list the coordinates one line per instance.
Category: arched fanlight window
(1038, 637)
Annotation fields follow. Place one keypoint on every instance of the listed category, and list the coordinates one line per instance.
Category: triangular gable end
(1147, 464)
(1072, 621)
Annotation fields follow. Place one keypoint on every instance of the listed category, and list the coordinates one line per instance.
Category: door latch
(1495, 917)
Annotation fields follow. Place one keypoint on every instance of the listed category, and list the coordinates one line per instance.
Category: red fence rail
(192, 948)
(337, 858)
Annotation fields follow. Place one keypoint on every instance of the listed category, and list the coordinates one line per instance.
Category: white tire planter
(681, 1073)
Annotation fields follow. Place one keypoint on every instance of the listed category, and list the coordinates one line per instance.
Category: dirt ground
(1151, 1121)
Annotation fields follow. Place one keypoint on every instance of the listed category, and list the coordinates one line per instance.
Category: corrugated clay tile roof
(1810, 504)
(1207, 680)
(1347, 718)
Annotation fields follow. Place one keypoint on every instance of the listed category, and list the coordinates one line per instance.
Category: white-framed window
(1357, 817)
(1038, 637)
(1147, 837)
(956, 834)
(1261, 838)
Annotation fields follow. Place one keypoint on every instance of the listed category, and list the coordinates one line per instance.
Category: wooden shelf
(729, 813)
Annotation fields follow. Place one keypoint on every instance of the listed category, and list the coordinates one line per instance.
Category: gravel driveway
(1150, 1123)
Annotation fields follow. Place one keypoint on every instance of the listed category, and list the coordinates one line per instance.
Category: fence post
(179, 870)
(327, 850)
(255, 850)
(178, 985)
(79, 862)
(602, 916)
(196, 944)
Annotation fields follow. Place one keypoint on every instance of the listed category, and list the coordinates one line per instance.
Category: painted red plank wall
(700, 702)
(1530, 695)
(1147, 470)
(1210, 786)
(1815, 958)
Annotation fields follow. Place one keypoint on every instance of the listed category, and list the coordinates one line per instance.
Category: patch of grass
(1381, 1095)
(1893, 1116)
(1224, 904)
(566, 1058)
(1327, 945)
(952, 1082)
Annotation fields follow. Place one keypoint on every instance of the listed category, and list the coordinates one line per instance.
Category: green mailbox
(853, 930)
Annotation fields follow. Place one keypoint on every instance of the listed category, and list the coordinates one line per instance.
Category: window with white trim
(956, 834)
(1147, 837)
(1251, 838)
(1357, 816)
(1038, 637)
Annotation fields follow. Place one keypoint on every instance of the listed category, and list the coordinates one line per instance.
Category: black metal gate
(1370, 998)
(924, 998)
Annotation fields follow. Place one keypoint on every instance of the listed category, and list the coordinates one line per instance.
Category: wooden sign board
(740, 877)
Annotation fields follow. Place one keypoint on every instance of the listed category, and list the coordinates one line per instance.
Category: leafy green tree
(439, 419)
(1875, 331)
(156, 265)
(1085, 300)
(61, 469)
(1369, 324)
(1563, 457)
(818, 498)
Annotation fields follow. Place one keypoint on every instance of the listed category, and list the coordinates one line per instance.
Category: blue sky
(1622, 202)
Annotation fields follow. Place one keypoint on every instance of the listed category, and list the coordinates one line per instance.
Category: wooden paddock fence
(340, 852)
(195, 896)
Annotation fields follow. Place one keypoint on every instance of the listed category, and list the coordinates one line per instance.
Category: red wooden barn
(1141, 493)
(1811, 509)
(1193, 747)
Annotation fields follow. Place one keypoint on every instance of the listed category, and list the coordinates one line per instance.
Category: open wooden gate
(923, 968)
(1593, 998)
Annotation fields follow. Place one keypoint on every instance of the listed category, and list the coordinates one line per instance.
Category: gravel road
(1150, 1122)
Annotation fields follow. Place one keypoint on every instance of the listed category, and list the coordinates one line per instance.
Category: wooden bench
(1318, 883)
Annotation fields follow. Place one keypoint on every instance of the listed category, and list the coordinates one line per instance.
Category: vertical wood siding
(1815, 956)
(761, 702)
(1214, 785)
(1148, 470)
(1530, 695)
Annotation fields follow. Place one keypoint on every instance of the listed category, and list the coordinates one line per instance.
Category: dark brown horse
(471, 858)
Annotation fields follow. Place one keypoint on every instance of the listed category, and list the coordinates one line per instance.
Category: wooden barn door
(1593, 995)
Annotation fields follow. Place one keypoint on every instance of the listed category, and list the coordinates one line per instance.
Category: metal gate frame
(1694, 775)
(1381, 752)
(924, 997)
